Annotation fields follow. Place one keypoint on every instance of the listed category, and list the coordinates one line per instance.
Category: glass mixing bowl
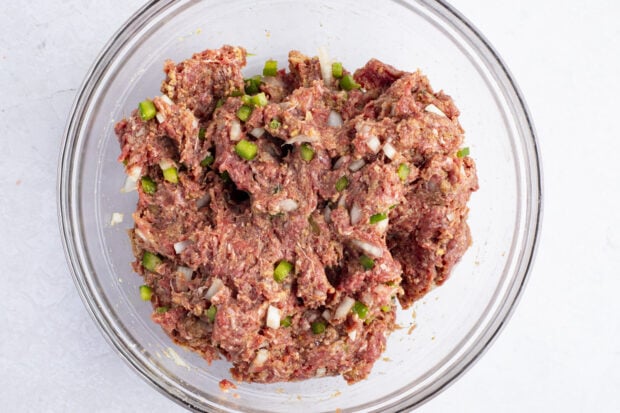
(453, 323)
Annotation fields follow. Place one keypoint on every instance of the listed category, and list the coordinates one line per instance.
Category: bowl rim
(67, 186)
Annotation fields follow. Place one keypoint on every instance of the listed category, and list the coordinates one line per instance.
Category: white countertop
(559, 352)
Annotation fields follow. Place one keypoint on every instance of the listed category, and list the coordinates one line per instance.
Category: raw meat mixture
(280, 218)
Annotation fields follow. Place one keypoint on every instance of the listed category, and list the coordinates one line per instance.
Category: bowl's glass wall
(452, 323)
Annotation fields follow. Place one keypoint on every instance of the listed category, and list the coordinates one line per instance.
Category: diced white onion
(352, 335)
(135, 172)
(327, 315)
(180, 246)
(165, 164)
(273, 317)
(326, 65)
(434, 109)
(195, 123)
(368, 248)
(344, 308)
(139, 132)
(373, 143)
(327, 214)
(117, 218)
(215, 287)
(160, 117)
(357, 165)
(261, 357)
(288, 205)
(342, 202)
(302, 138)
(166, 99)
(131, 184)
(140, 234)
(334, 119)
(257, 132)
(339, 162)
(321, 371)
(185, 271)
(382, 225)
(389, 150)
(203, 201)
(235, 130)
(355, 213)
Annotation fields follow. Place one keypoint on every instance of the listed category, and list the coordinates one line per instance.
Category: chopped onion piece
(342, 202)
(117, 218)
(135, 172)
(382, 225)
(339, 162)
(133, 175)
(215, 287)
(180, 246)
(261, 357)
(288, 205)
(357, 165)
(140, 234)
(368, 248)
(434, 109)
(257, 132)
(327, 214)
(343, 309)
(160, 117)
(302, 138)
(321, 371)
(273, 317)
(352, 335)
(185, 271)
(355, 213)
(373, 143)
(131, 184)
(326, 65)
(334, 119)
(235, 130)
(166, 99)
(327, 315)
(203, 201)
(165, 164)
(389, 150)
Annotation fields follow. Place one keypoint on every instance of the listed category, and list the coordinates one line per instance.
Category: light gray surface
(561, 349)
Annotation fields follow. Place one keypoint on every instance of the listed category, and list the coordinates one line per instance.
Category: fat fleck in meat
(364, 214)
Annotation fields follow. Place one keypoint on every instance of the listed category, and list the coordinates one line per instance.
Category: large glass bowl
(453, 323)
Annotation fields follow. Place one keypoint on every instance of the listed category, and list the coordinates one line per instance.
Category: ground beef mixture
(280, 217)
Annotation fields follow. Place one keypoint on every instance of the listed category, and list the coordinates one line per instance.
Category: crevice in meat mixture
(280, 217)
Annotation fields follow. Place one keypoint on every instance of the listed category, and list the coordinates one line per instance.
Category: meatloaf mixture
(281, 216)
